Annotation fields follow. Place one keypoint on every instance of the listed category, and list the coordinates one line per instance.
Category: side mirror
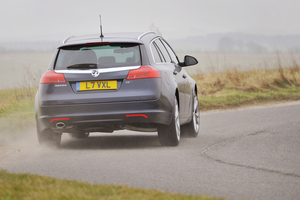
(188, 61)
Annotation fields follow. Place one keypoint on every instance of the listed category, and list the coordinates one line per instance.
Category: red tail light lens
(52, 77)
(143, 72)
(137, 115)
(59, 119)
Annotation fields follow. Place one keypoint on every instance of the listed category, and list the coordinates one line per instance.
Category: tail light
(143, 72)
(52, 77)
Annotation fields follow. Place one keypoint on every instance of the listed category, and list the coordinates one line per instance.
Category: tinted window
(171, 52)
(104, 56)
(163, 50)
(156, 56)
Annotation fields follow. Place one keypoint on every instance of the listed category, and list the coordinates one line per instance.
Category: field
(241, 62)
(13, 66)
(233, 88)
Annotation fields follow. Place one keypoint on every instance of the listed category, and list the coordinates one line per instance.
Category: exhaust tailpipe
(60, 125)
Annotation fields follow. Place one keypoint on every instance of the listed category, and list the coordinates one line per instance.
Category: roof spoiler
(65, 40)
(142, 35)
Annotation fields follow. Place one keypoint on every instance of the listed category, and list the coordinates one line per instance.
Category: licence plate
(96, 85)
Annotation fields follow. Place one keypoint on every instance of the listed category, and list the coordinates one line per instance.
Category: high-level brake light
(143, 72)
(52, 77)
(98, 43)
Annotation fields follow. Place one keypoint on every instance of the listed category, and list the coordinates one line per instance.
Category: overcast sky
(57, 19)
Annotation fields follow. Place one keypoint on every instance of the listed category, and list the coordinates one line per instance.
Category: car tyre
(49, 138)
(79, 135)
(169, 135)
(192, 129)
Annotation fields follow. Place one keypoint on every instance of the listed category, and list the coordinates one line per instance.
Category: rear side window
(171, 52)
(98, 56)
(156, 55)
(163, 50)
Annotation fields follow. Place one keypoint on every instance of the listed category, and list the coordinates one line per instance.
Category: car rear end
(101, 87)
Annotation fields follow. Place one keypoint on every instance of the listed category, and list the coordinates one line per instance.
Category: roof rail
(65, 40)
(142, 35)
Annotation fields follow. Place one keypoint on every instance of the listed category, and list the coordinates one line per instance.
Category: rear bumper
(109, 116)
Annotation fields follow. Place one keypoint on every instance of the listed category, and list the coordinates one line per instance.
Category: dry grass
(29, 85)
(255, 80)
(17, 106)
(25, 91)
(233, 88)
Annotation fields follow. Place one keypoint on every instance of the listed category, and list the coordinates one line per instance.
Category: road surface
(239, 154)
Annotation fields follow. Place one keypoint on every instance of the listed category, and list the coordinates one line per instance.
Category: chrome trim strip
(65, 40)
(142, 35)
(89, 71)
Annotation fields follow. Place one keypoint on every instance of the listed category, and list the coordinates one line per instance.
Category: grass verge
(232, 98)
(25, 186)
(234, 88)
(16, 112)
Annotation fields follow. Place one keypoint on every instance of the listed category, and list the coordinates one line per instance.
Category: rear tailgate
(127, 90)
(97, 73)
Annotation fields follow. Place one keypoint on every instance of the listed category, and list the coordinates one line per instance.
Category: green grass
(16, 112)
(16, 100)
(25, 186)
(232, 98)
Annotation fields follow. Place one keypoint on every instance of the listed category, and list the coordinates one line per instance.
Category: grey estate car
(116, 82)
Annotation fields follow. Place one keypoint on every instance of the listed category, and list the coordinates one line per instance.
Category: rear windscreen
(100, 56)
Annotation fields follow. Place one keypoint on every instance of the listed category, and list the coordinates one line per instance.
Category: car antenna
(100, 27)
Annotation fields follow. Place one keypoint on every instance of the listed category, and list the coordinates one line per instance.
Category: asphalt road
(242, 154)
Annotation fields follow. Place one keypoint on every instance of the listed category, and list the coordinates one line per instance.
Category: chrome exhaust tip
(60, 125)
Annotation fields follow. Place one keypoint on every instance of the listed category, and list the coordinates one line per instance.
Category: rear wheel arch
(177, 97)
(192, 128)
(194, 92)
(169, 135)
(196, 89)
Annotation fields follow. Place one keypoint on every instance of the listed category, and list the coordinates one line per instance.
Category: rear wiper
(83, 66)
